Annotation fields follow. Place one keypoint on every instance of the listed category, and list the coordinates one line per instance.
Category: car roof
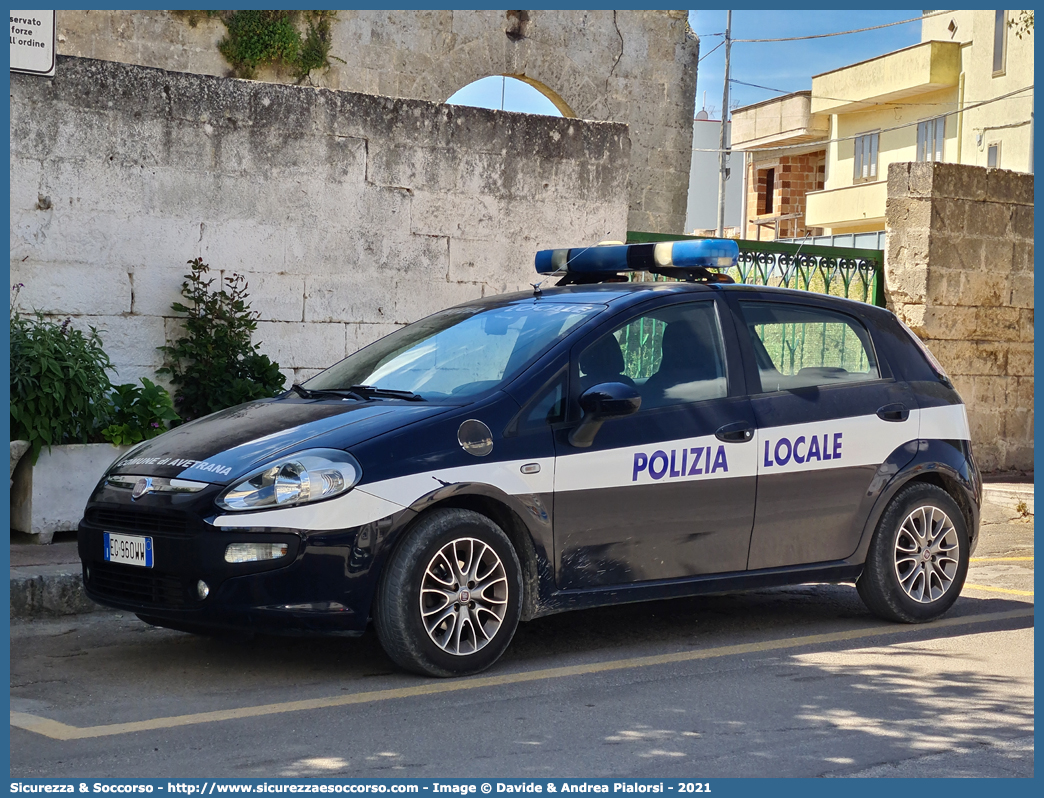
(594, 294)
(616, 294)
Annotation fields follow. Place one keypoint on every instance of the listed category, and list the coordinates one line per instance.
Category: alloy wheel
(463, 596)
(926, 551)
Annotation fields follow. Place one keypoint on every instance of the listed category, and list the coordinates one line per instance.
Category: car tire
(900, 581)
(449, 599)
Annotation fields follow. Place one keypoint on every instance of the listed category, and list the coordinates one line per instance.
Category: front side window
(866, 157)
(459, 352)
(548, 406)
(673, 355)
(797, 347)
(930, 136)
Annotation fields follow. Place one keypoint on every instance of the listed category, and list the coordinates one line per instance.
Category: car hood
(222, 447)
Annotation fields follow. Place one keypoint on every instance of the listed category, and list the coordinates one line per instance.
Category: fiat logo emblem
(141, 487)
(465, 596)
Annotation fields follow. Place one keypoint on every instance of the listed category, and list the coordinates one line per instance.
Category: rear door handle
(737, 432)
(893, 412)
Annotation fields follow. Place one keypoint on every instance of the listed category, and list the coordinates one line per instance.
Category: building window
(930, 135)
(1000, 41)
(768, 188)
(866, 157)
(993, 155)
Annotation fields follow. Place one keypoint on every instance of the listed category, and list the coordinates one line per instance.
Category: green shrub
(258, 38)
(215, 365)
(58, 382)
(61, 393)
(137, 414)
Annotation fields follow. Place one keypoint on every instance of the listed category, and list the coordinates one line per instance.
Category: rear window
(799, 347)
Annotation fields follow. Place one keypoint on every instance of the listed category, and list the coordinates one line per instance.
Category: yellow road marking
(990, 589)
(61, 731)
(1001, 559)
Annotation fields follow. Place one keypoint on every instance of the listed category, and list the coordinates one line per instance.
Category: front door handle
(893, 412)
(737, 432)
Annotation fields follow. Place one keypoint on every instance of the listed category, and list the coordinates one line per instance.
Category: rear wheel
(918, 557)
(450, 598)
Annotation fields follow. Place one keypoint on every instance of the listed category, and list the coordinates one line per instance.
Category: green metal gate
(838, 271)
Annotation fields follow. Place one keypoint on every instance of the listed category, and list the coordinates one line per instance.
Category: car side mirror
(600, 403)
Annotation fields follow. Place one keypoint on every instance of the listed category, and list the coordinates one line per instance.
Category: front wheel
(449, 600)
(918, 557)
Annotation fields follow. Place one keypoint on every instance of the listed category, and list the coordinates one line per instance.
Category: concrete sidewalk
(46, 580)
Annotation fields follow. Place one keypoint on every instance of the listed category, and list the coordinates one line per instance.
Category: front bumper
(324, 583)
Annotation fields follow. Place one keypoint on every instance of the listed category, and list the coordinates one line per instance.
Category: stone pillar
(959, 271)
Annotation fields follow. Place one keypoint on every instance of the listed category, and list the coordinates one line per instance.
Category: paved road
(795, 682)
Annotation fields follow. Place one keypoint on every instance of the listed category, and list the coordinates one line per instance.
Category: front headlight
(303, 477)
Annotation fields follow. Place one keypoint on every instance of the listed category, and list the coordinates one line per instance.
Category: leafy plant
(315, 49)
(1022, 25)
(257, 38)
(61, 393)
(137, 414)
(59, 382)
(215, 365)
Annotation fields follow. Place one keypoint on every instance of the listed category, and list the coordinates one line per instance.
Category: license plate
(129, 549)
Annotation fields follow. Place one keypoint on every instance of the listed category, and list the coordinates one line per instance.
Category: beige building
(963, 95)
(784, 159)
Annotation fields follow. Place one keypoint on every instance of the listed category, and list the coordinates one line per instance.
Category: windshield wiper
(327, 393)
(371, 391)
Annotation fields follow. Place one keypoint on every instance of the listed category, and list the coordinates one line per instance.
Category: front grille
(133, 520)
(137, 585)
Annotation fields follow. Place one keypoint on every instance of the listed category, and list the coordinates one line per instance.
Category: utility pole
(724, 119)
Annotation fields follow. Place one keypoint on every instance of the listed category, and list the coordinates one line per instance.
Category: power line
(867, 103)
(719, 44)
(843, 32)
(816, 144)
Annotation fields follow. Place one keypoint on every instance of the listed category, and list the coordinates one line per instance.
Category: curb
(1008, 495)
(48, 593)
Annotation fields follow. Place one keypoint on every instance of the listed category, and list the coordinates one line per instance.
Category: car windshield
(459, 352)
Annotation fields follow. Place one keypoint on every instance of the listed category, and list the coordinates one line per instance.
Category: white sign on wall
(32, 42)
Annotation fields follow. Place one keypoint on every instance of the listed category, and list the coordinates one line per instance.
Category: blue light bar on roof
(708, 253)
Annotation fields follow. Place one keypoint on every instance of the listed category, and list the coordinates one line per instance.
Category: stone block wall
(959, 271)
(349, 214)
(636, 67)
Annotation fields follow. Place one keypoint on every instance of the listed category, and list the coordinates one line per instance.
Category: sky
(788, 66)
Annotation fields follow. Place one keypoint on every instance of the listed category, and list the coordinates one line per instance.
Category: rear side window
(799, 347)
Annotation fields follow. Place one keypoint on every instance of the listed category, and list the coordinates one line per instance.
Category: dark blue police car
(594, 443)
